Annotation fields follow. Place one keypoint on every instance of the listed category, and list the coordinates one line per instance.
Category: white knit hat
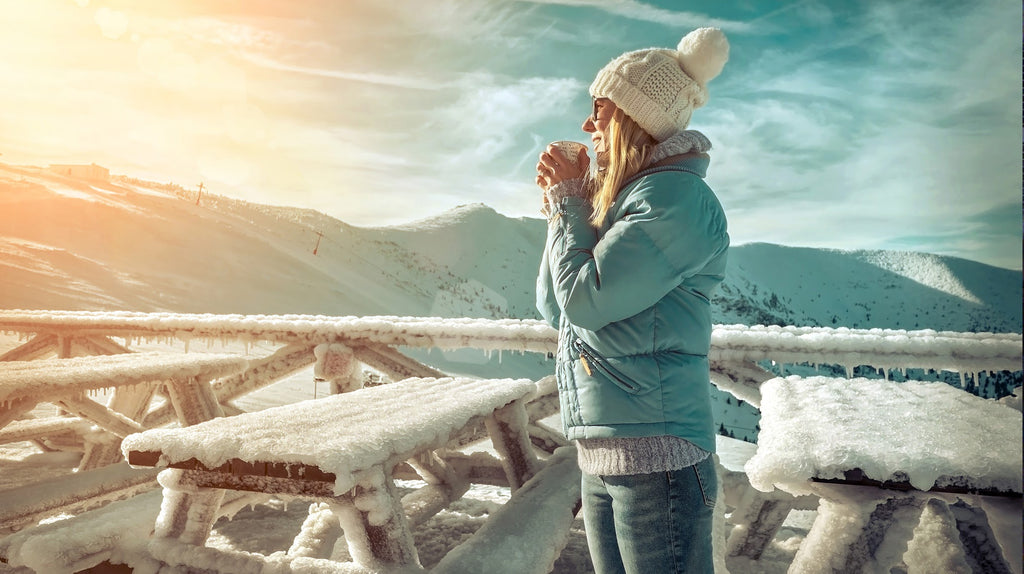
(660, 88)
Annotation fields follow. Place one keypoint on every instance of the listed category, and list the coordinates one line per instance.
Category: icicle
(963, 380)
(849, 371)
(499, 356)
(186, 344)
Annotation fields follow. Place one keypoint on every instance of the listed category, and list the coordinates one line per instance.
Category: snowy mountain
(74, 244)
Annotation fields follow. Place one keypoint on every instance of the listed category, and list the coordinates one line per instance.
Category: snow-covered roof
(928, 433)
(45, 378)
(340, 434)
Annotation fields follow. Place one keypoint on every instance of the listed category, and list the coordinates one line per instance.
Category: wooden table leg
(858, 529)
(193, 401)
(509, 432)
(187, 512)
(375, 524)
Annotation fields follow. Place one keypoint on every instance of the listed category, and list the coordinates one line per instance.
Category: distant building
(91, 171)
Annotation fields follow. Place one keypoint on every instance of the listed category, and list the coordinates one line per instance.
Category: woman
(630, 261)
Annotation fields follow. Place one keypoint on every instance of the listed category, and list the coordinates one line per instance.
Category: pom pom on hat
(703, 53)
(659, 88)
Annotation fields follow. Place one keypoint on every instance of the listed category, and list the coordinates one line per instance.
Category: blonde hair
(629, 146)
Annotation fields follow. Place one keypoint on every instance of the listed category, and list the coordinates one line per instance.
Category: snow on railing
(443, 333)
(879, 348)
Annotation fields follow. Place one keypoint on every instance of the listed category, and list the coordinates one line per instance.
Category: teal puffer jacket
(631, 300)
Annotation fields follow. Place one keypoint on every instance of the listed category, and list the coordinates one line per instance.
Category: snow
(527, 535)
(45, 379)
(930, 434)
(381, 422)
(880, 348)
(159, 253)
(444, 333)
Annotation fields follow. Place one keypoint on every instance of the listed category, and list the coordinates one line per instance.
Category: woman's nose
(588, 125)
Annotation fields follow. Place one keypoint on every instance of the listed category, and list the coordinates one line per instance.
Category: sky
(840, 124)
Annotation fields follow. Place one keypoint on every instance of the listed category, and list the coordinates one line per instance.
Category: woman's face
(598, 122)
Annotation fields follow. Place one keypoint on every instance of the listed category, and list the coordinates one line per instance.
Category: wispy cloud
(904, 126)
(392, 80)
(635, 10)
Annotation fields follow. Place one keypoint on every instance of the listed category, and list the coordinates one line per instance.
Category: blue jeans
(651, 523)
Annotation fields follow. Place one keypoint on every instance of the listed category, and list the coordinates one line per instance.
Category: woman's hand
(554, 167)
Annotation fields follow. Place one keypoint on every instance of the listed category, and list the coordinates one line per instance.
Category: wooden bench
(535, 521)
(344, 450)
(879, 454)
(91, 538)
(66, 383)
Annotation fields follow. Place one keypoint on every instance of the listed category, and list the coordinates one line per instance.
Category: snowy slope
(773, 284)
(72, 244)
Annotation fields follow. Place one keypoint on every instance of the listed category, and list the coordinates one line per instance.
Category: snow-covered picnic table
(342, 449)
(879, 454)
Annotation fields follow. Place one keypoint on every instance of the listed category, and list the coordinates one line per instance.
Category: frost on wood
(858, 533)
(982, 547)
(508, 428)
(71, 494)
(339, 434)
(936, 546)
(930, 434)
(45, 379)
(65, 546)
(336, 363)
(529, 532)
(320, 531)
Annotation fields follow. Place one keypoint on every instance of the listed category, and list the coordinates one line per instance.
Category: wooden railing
(336, 346)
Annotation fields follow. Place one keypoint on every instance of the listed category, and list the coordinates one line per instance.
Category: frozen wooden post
(758, 517)
(851, 534)
(337, 364)
(187, 512)
(507, 428)
(319, 533)
(375, 524)
(936, 542)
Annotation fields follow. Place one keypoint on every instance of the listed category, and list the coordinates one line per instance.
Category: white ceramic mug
(570, 149)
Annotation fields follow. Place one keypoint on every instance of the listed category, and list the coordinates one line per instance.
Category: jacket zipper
(587, 357)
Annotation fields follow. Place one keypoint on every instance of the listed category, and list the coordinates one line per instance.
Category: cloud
(899, 130)
(489, 113)
(113, 23)
(635, 10)
(391, 80)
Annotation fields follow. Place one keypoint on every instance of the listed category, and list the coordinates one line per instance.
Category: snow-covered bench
(342, 449)
(890, 462)
(96, 536)
(66, 382)
(534, 521)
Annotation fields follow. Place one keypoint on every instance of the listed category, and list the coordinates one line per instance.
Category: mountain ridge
(75, 244)
(129, 245)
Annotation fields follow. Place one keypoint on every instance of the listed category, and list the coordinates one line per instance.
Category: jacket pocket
(592, 361)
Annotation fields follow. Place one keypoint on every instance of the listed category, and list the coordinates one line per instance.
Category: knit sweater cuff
(566, 188)
(640, 455)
